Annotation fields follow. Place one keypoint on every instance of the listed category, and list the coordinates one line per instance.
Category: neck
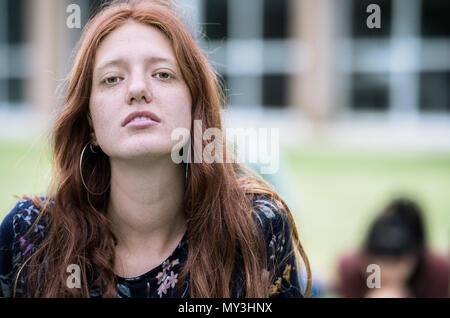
(146, 204)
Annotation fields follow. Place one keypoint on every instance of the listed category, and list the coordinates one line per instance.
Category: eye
(163, 75)
(112, 80)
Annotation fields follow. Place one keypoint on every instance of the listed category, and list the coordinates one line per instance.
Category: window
(244, 90)
(12, 40)
(94, 6)
(16, 90)
(274, 90)
(416, 86)
(435, 18)
(246, 33)
(434, 92)
(370, 91)
(216, 19)
(275, 19)
(360, 15)
(15, 22)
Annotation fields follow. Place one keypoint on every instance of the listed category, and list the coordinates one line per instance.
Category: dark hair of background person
(397, 232)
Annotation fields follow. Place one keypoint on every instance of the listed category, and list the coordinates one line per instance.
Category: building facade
(316, 58)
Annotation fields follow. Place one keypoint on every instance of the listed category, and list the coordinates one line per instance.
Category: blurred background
(363, 114)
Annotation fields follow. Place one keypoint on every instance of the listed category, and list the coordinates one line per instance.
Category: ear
(93, 139)
(92, 134)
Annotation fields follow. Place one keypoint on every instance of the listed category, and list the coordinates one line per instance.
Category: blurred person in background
(396, 242)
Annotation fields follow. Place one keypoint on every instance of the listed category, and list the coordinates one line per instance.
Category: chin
(147, 150)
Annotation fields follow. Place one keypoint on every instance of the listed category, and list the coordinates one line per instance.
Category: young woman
(121, 214)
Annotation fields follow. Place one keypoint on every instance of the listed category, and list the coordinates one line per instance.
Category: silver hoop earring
(92, 149)
(81, 171)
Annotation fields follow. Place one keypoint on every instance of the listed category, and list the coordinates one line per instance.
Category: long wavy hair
(217, 197)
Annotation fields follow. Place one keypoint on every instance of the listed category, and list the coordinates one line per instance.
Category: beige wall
(312, 90)
(46, 31)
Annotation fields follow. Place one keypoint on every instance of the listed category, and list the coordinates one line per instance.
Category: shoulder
(351, 262)
(270, 214)
(436, 262)
(351, 274)
(14, 244)
(435, 274)
(20, 221)
(276, 226)
(275, 222)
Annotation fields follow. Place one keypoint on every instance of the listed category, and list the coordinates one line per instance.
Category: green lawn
(338, 192)
(24, 169)
(333, 193)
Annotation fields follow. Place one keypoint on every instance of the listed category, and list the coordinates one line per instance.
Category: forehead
(133, 41)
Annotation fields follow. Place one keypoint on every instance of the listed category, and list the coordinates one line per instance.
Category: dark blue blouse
(162, 280)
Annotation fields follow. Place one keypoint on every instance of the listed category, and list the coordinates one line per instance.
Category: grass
(333, 193)
(24, 169)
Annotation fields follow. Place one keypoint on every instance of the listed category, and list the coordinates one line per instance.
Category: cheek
(179, 114)
(101, 113)
(184, 117)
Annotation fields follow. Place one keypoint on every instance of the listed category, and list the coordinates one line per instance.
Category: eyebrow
(121, 61)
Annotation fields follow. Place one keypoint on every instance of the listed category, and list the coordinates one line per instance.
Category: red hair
(217, 199)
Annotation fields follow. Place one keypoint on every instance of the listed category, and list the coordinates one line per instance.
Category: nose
(138, 89)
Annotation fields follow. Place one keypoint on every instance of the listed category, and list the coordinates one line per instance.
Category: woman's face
(395, 270)
(136, 72)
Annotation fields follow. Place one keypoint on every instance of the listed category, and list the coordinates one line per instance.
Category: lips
(138, 114)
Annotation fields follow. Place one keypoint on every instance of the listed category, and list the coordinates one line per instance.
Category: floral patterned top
(162, 280)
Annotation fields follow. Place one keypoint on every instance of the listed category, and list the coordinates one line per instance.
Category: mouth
(141, 119)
